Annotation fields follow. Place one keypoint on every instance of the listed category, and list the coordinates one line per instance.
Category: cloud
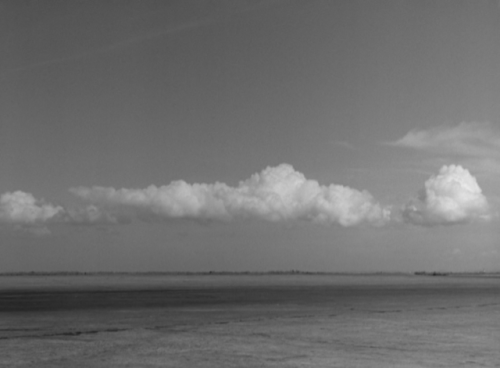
(90, 215)
(276, 194)
(222, 12)
(468, 139)
(473, 144)
(20, 208)
(21, 211)
(451, 197)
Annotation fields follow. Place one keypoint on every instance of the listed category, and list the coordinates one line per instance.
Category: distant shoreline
(246, 273)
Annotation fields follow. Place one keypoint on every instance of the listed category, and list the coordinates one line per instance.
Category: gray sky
(249, 135)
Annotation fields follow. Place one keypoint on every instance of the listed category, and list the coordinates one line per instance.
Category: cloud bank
(276, 194)
(451, 197)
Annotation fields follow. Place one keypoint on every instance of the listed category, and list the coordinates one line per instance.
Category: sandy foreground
(249, 321)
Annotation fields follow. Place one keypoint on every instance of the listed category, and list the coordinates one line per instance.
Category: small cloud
(20, 208)
(21, 211)
(451, 197)
(466, 139)
(276, 194)
(473, 144)
(91, 215)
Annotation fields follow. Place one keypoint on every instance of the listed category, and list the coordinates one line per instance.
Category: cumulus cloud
(275, 194)
(21, 211)
(20, 208)
(451, 197)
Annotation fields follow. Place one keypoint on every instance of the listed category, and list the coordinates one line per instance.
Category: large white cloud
(275, 194)
(21, 208)
(451, 197)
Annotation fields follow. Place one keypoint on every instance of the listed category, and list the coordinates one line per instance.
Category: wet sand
(249, 321)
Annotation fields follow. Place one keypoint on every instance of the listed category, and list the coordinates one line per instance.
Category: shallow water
(249, 321)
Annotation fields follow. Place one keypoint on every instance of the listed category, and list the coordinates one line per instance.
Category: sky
(336, 136)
